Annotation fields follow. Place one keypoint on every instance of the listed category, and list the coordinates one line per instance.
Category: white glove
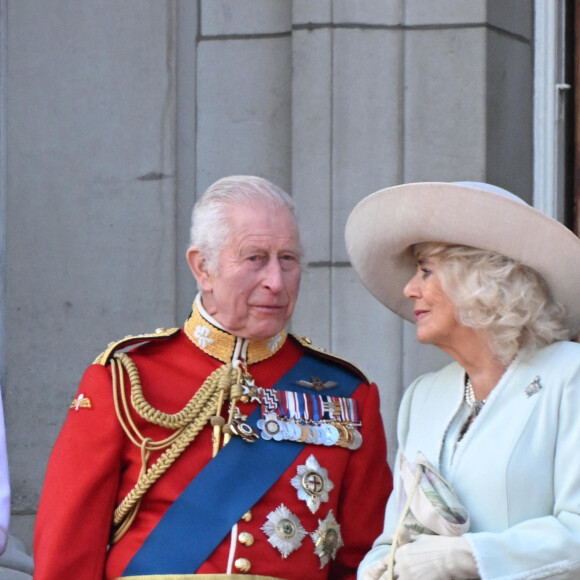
(435, 558)
(378, 571)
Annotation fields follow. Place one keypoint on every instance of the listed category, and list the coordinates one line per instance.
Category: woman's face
(434, 311)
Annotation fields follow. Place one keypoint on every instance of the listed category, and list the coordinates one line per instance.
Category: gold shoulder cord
(203, 407)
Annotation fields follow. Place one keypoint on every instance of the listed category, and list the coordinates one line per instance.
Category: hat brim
(383, 227)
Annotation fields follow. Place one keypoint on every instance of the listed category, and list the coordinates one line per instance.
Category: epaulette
(160, 334)
(307, 343)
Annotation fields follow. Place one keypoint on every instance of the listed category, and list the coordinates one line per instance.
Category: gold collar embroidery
(222, 345)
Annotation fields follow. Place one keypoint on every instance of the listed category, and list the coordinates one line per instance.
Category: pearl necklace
(469, 396)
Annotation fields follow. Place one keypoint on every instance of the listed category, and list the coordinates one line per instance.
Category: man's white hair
(209, 220)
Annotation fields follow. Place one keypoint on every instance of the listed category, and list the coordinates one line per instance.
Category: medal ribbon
(307, 408)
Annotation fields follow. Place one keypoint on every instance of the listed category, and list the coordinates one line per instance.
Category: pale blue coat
(517, 469)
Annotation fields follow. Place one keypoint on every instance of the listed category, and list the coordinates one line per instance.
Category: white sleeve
(4, 485)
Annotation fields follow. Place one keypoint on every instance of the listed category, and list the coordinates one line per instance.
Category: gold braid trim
(152, 415)
(160, 334)
(205, 404)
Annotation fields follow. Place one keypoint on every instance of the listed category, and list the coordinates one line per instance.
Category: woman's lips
(420, 314)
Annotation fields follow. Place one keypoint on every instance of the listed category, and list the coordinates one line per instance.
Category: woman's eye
(426, 272)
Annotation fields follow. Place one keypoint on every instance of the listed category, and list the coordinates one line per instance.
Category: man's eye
(426, 272)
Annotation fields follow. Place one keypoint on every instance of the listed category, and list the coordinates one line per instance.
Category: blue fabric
(230, 484)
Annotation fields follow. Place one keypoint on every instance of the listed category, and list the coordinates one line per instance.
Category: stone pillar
(89, 114)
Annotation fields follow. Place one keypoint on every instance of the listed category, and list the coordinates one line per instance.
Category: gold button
(242, 564)
(247, 517)
(246, 538)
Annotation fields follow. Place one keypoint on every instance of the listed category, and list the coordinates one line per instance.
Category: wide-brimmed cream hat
(383, 227)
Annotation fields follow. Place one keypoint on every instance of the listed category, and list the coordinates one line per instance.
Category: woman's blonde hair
(507, 299)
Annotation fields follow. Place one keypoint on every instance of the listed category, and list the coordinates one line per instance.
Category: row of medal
(309, 418)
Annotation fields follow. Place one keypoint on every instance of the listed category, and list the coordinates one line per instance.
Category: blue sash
(230, 484)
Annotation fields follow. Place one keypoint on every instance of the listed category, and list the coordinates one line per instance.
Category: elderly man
(227, 448)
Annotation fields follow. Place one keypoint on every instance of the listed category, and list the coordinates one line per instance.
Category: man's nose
(273, 275)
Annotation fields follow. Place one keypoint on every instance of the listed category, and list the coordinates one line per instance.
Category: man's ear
(198, 266)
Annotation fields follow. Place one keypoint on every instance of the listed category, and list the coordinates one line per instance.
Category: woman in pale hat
(496, 285)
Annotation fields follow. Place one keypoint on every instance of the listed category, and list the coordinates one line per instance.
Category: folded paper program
(428, 503)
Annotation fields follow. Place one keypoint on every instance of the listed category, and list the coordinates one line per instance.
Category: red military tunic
(95, 464)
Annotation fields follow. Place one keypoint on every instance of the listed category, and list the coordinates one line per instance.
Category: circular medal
(294, 432)
(303, 434)
(285, 529)
(312, 435)
(357, 439)
(313, 483)
(331, 435)
(343, 435)
(272, 427)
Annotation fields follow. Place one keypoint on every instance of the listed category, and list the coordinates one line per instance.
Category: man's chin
(265, 331)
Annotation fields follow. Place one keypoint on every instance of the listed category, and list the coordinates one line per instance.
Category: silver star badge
(327, 539)
(312, 483)
(284, 530)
